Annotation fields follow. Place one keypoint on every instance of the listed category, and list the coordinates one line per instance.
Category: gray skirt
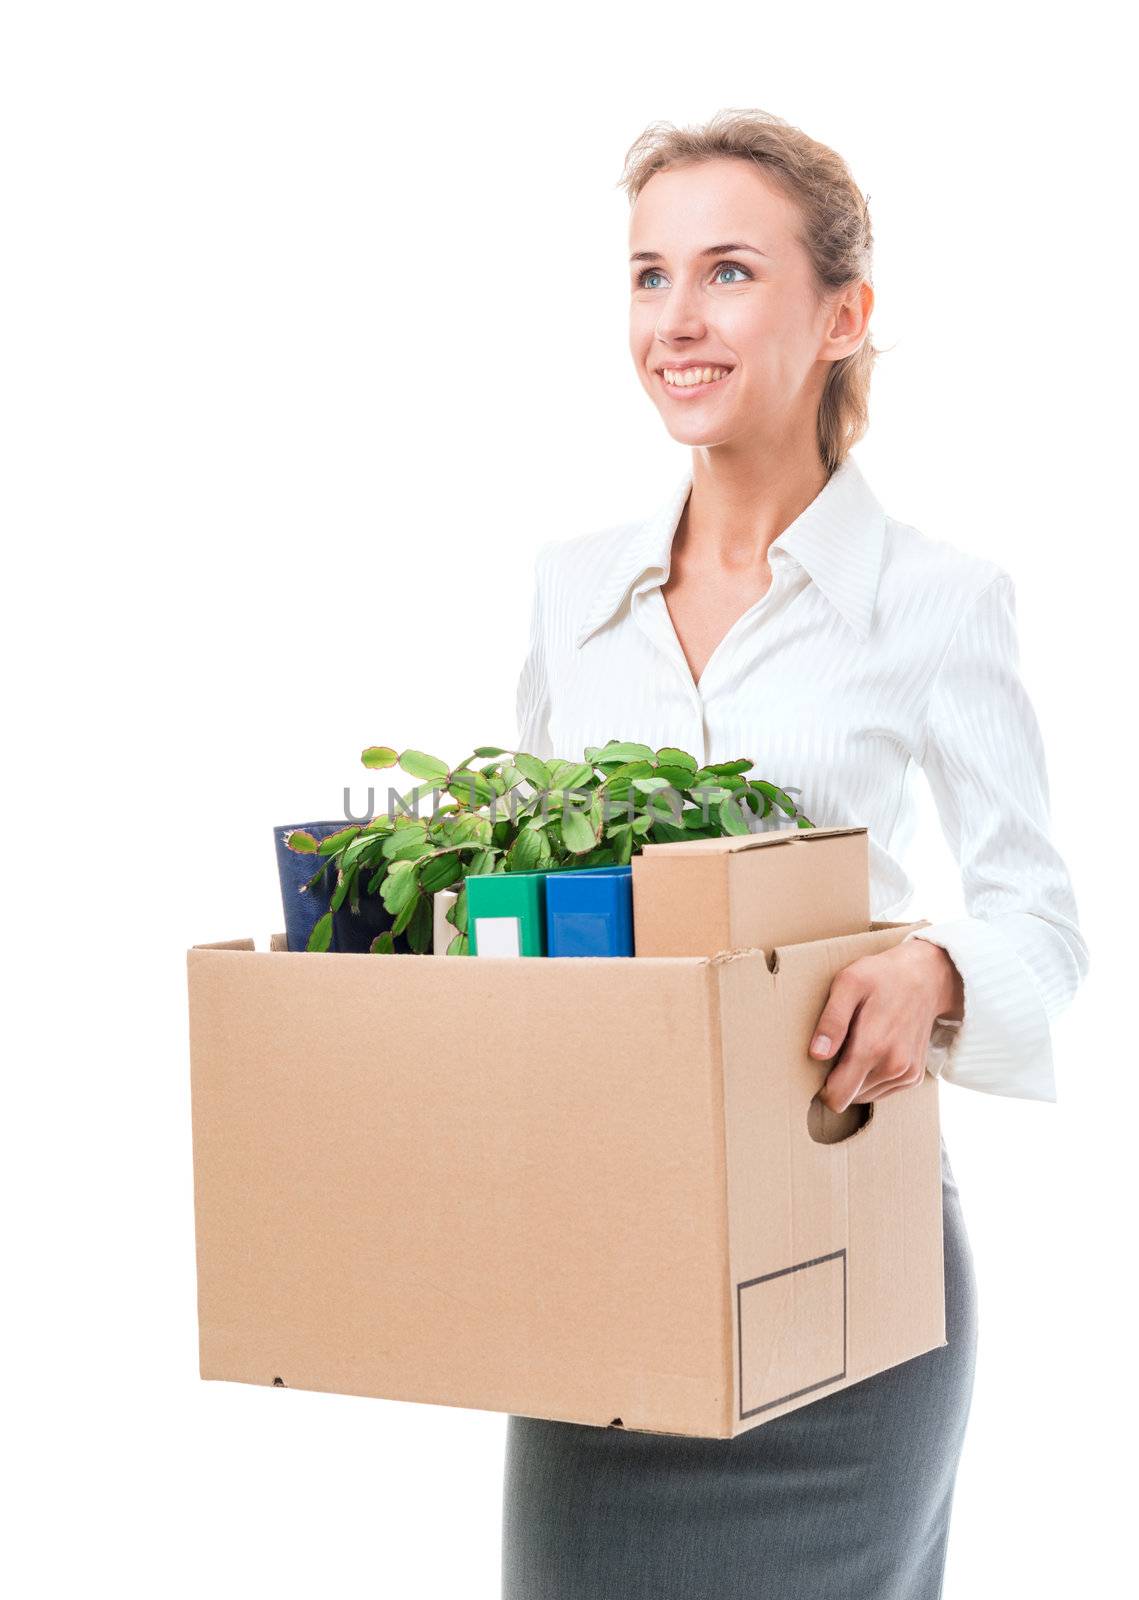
(847, 1498)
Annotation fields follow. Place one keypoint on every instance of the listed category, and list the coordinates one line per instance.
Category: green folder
(506, 914)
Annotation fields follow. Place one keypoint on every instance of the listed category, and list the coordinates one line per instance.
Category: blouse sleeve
(532, 697)
(1019, 950)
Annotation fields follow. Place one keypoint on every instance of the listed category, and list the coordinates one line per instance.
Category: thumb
(831, 1028)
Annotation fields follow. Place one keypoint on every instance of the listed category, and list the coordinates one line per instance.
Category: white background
(314, 327)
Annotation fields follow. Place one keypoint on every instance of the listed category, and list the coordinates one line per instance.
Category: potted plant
(516, 813)
(306, 895)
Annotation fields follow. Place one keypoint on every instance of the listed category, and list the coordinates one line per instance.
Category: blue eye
(655, 272)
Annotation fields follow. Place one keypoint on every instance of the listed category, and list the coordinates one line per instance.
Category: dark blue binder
(589, 912)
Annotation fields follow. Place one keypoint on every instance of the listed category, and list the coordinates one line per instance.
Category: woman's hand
(880, 1013)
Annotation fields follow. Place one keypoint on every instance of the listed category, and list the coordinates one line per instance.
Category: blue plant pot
(303, 908)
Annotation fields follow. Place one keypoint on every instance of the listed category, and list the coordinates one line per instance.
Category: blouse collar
(838, 540)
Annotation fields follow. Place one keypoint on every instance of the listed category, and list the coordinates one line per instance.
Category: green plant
(516, 813)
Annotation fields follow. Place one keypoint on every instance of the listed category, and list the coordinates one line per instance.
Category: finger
(846, 994)
(846, 1080)
(880, 1093)
(887, 1069)
(862, 1061)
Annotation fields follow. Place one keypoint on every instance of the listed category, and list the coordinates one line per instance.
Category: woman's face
(720, 280)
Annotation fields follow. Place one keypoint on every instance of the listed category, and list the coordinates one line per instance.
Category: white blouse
(876, 651)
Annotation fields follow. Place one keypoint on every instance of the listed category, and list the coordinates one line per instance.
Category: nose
(681, 316)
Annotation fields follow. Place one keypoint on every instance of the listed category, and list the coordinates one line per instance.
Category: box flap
(746, 841)
(226, 944)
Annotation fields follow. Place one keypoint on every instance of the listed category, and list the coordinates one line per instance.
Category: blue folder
(589, 912)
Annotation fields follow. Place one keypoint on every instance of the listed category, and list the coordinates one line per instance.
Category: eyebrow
(712, 250)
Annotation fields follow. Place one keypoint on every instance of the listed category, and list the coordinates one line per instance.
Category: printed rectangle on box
(792, 1330)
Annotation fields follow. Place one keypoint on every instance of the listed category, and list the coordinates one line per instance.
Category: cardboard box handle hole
(833, 1127)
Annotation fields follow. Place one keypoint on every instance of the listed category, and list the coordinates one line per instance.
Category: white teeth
(690, 376)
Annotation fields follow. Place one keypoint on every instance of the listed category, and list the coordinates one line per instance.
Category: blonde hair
(835, 231)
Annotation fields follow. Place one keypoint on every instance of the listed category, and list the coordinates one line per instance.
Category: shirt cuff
(1003, 1044)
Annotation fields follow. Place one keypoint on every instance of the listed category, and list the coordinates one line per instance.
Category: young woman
(769, 608)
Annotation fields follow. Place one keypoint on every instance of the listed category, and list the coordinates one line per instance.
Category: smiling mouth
(683, 386)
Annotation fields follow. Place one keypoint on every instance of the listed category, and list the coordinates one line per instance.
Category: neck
(742, 500)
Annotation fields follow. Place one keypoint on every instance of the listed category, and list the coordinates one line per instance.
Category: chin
(695, 433)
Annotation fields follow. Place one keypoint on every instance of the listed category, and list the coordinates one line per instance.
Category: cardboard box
(761, 890)
(586, 1189)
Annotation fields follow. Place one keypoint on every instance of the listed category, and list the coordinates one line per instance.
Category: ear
(848, 320)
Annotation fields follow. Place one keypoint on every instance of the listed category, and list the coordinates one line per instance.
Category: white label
(498, 936)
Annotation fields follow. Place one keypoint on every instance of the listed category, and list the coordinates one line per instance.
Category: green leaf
(379, 755)
(593, 858)
(669, 757)
(616, 751)
(457, 915)
(471, 788)
(628, 769)
(491, 750)
(533, 770)
(344, 881)
(364, 851)
(303, 843)
(725, 769)
(406, 843)
(440, 871)
(711, 793)
(400, 888)
(336, 841)
(321, 936)
(382, 945)
(678, 777)
(526, 851)
(731, 821)
(783, 801)
(578, 833)
(512, 776)
(420, 765)
(569, 774)
(402, 895)
(380, 824)
(419, 928)
(311, 883)
(467, 828)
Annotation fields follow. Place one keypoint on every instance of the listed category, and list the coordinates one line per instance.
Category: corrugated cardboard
(783, 886)
(576, 1188)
